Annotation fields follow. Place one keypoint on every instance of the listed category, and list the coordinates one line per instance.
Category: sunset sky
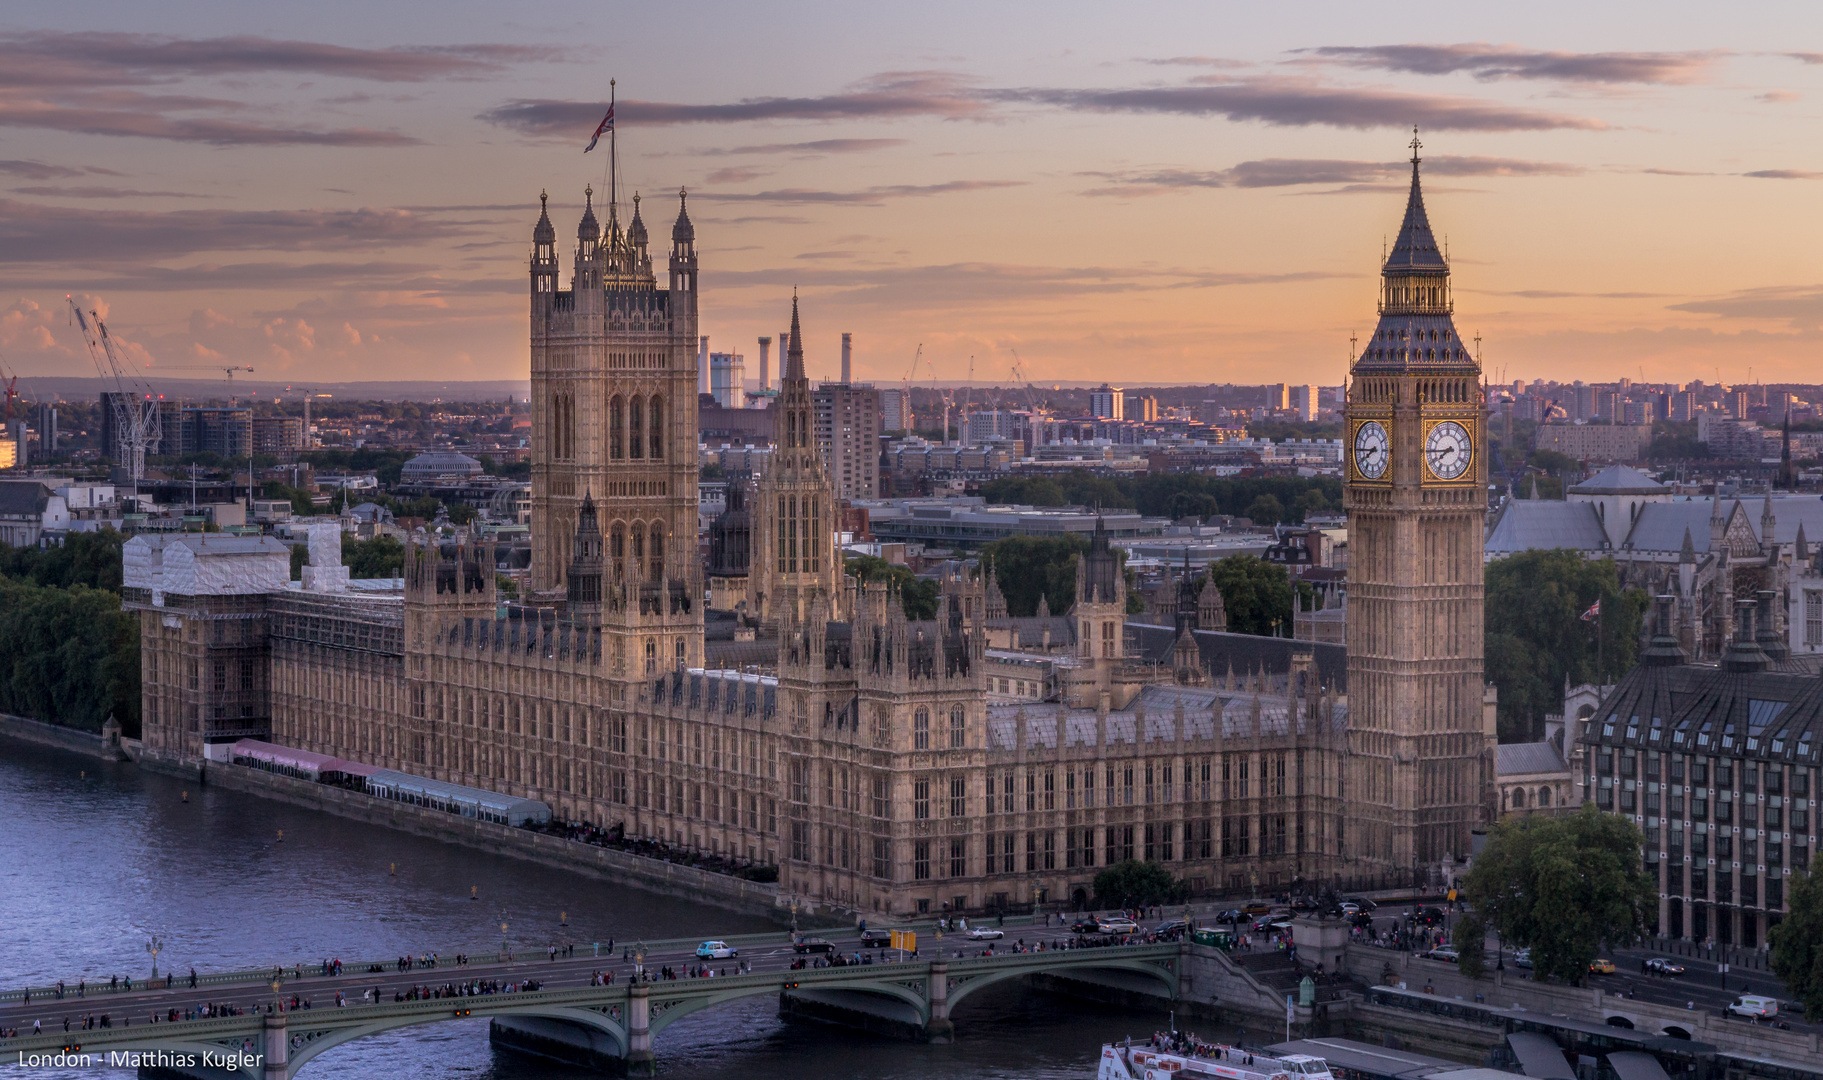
(1168, 192)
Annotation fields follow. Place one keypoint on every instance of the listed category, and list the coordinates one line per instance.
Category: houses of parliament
(865, 760)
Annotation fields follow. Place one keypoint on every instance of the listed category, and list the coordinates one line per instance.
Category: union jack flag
(607, 124)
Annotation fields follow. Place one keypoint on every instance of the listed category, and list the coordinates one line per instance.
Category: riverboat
(1227, 1062)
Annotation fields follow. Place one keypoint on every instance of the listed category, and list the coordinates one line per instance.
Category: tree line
(68, 654)
(1267, 500)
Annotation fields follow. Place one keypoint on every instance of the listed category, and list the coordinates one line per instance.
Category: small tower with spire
(795, 557)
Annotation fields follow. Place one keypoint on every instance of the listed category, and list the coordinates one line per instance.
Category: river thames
(95, 859)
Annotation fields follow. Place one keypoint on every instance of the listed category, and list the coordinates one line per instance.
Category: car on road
(1085, 926)
(876, 939)
(812, 945)
(1348, 910)
(1255, 907)
(716, 950)
(1117, 925)
(1428, 916)
(1445, 953)
(1658, 965)
(1363, 920)
(1601, 965)
(1361, 902)
(1231, 916)
(1171, 926)
(1272, 924)
(985, 933)
(1523, 959)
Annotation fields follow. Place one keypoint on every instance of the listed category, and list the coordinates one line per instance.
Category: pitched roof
(1523, 759)
(23, 498)
(1620, 480)
(1526, 524)
(1245, 653)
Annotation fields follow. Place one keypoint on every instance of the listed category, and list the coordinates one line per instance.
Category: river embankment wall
(605, 863)
(26, 729)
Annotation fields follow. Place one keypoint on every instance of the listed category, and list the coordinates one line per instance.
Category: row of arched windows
(563, 427)
(636, 427)
(637, 550)
(798, 542)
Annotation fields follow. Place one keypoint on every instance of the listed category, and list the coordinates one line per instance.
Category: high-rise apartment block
(848, 429)
(1108, 403)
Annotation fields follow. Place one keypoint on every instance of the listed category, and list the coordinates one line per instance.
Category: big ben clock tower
(1415, 482)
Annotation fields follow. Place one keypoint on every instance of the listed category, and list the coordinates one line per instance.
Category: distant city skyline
(344, 193)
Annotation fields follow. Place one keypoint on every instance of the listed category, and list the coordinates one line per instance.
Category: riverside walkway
(570, 994)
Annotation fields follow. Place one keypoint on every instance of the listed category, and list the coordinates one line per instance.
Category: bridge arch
(329, 1040)
(966, 983)
(674, 1012)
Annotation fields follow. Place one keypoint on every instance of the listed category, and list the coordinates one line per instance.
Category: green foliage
(386, 464)
(1676, 442)
(503, 586)
(1797, 943)
(300, 554)
(381, 557)
(917, 596)
(1564, 886)
(84, 558)
(1540, 637)
(1136, 883)
(1266, 510)
(510, 470)
(299, 498)
(68, 655)
(462, 513)
(1028, 567)
(1256, 594)
(1552, 462)
(711, 471)
(1279, 430)
(424, 506)
(1172, 495)
(1471, 945)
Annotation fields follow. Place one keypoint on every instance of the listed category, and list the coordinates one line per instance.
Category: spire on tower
(794, 351)
(1416, 248)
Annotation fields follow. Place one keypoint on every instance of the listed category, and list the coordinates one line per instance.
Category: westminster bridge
(574, 1012)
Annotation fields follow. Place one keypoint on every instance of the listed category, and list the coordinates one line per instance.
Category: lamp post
(153, 945)
(639, 961)
(504, 954)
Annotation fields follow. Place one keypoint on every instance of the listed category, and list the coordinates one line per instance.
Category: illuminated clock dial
(1371, 450)
(1448, 450)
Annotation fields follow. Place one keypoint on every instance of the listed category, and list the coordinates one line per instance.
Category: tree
(1797, 944)
(68, 655)
(1540, 638)
(1136, 882)
(1028, 567)
(1471, 945)
(381, 557)
(916, 595)
(1562, 886)
(1256, 594)
(1266, 510)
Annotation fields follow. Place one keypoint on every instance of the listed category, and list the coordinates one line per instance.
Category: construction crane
(228, 369)
(906, 387)
(948, 396)
(308, 392)
(135, 411)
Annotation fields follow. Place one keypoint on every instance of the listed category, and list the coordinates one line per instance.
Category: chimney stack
(765, 368)
(848, 344)
(702, 364)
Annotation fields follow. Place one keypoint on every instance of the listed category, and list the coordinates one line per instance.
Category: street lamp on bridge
(153, 945)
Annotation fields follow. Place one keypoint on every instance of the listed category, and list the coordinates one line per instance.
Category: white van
(1755, 1007)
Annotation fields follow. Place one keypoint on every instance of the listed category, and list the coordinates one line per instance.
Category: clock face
(1448, 450)
(1371, 450)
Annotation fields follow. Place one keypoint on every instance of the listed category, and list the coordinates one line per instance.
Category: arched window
(617, 550)
(958, 728)
(656, 412)
(1544, 796)
(617, 422)
(635, 429)
(921, 730)
(639, 543)
(658, 552)
(1519, 798)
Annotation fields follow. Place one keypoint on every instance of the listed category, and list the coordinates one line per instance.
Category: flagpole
(613, 164)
